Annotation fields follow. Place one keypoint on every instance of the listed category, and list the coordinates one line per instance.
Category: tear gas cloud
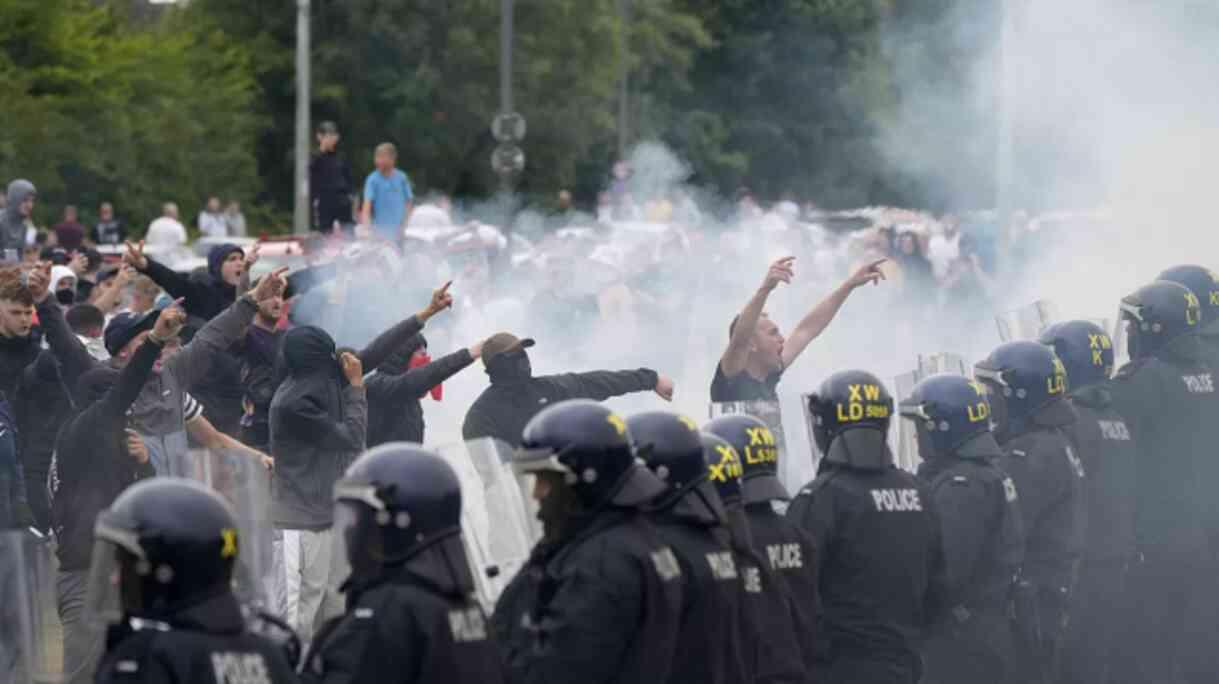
(1112, 108)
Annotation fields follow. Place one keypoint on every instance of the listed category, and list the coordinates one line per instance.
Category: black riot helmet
(1203, 283)
(1086, 351)
(723, 468)
(164, 544)
(755, 444)
(850, 416)
(588, 444)
(1157, 314)
(672, 448)
(395, 502)
(951, 415)
(1025, 380)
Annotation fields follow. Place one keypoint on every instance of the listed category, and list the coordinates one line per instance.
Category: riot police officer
(689, 517)
(877, 539)
(980, 525)
(162, 571)
(410, 616)
(1105, 447)
(1027, 387)
(600, 598)
(767, 626)
(787, 549)
(1166, 394)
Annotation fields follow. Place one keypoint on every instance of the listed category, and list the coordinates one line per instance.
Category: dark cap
(502, 343)
(125, 327)
(327, 127)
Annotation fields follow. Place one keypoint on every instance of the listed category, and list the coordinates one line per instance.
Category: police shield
(793, 473)
(499, 526)
(31, 642)
(245, 483)
(1028, 322)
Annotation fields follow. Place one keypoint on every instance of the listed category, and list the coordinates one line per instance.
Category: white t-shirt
(942, 251)
(166, 232)
(213, 225)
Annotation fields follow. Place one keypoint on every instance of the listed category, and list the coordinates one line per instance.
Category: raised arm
(732, 363)
(601, 385)
(416, 382)
(819, 318)
(310, 420)
(133, 376)
(177, 285)
(392, 340)
(68, 350)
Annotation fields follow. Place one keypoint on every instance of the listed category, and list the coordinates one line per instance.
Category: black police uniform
(1168, 399)
(689, 517)
(602, 602)
(203, 644)
(877, 542)
(410, 617)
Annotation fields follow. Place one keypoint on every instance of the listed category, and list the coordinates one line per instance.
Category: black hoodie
(395, 413)
(318, 426)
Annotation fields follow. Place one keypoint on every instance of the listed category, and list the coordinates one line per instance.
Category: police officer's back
(766, 631)
(982, 532)
(410, 613)
(600, 599)
(1106, 448)
(877, 541)
(785, 548)
(690, 518)
(163, 560)
(1166, 394)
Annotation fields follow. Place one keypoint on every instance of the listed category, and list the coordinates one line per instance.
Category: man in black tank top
(757, 352)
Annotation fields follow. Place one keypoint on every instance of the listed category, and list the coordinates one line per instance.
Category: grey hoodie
(12, 223)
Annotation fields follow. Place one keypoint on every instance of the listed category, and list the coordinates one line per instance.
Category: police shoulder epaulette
(822, 480)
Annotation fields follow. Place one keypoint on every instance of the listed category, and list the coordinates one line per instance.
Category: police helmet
(1024, 378)
(723, 468)
(395, 501)
(1157, 314)
(755, 444)
(850, 414)
(952, 417)
(672, 448)
(163, 544)
(589, 445)
(1084, 349)
(1202, 282)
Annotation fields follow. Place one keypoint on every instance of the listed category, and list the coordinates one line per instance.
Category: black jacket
(330, 190)
(45, 404)
(878, 555)
(602, 608)
(1107, 449)
(415, 627)
(503, 409)
(204, 644)
(1169, 403)
(92, 465)
(792, 558)
(18, 353)
(1049, 481)
(395, 413)
(259, 354)
(708, 642)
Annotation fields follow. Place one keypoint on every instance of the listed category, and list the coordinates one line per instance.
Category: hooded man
(63, 284)
(319, 418)
(396, 388)
(21, 194)
(515, 395)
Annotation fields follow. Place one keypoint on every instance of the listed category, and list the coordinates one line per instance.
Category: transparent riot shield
(31, 641)
(245, 483)
(499, 525)
(794, 473)
(1028, 322)
(902, 432)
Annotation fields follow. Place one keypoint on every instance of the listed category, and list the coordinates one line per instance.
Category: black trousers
(1096, 614)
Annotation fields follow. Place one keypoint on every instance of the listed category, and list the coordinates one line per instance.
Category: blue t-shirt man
(387, 196)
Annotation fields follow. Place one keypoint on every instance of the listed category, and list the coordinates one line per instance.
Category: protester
(88, 323)
(63, 284)
(387, 196)
(211, 221)
(234, 219)
(757, 353)
(142, 293)
(69, 233)
(515, 395)
(396, 387)
(318, 423)
(259, 354)
(20, 208)
(87, 265)
(330, 184)
(109, 229)
(97, 457)
(42, 405)
(167, 230)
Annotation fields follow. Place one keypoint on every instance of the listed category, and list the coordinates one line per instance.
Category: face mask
(66, 297)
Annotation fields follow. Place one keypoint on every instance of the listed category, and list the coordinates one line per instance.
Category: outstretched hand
(271, 285)
(664, 387)
(170, 322)
(353, 369)
(441, 300)
(780, 271)
(868, 273)
(38, 281)
(135, 255)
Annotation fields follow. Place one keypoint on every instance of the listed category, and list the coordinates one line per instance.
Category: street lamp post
(300, 208)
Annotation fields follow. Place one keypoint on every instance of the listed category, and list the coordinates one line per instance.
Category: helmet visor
(114, 575)
(357, 540)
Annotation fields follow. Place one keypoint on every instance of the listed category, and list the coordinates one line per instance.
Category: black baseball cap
(125, 327)
(327, 127)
